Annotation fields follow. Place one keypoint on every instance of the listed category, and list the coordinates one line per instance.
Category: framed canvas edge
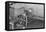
(7, 15)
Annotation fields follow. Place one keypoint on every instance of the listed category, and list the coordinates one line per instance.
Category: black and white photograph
(24, 15)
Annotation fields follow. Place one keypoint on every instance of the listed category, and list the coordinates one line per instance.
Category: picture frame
(7, 9)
